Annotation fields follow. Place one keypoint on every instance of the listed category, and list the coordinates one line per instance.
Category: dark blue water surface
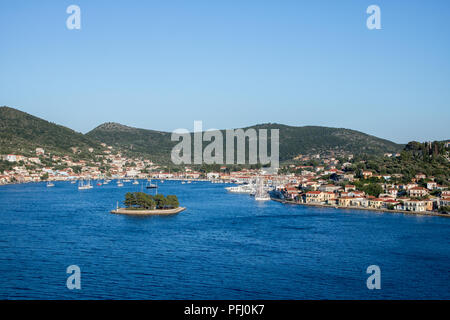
(224, 246)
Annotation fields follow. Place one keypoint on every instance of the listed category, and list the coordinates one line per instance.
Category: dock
(156, 212)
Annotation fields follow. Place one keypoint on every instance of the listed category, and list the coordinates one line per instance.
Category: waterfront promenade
(425, 213)
(156, 212)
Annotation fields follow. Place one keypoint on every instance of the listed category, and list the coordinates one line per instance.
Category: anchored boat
(84, 186)
(151, 185)
(261, 193)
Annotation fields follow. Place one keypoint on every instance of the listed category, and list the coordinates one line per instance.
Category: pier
(155, 212)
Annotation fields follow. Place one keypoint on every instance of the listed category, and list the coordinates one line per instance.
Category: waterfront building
(445, 202)
(414, 205)
(329, 188)
(314, 197)
(359, 202)
(376, 203)
(417, 192)
(329, 196)
(345, 201)
(390, 202)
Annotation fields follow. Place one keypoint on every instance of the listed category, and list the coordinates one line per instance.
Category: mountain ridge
(23, 132)
(20, 130)
(293, 140)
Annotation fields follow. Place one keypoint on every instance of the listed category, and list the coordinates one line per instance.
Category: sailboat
(50, 184)
(119, 183)
(135, 181)
(150, 185)
(84, 186)
(261, 193)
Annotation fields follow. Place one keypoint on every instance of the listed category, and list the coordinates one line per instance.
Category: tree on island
(161, 201)
(130, 200)
(141, 200)
(172, 201)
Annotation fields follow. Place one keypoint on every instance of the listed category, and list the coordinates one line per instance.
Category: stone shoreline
(156, 212)
(426, 213)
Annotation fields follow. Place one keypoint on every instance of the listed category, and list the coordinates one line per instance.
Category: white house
(11, 158)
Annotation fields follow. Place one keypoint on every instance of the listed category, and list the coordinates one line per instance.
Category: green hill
(430, 158)
(133, 141)
(315, 139)
(22, 133)
(293, 141)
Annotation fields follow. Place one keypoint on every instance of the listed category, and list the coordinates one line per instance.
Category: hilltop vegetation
(293, 141)
(429, 158)
(315, 139)
(135, 142)
(22, 133)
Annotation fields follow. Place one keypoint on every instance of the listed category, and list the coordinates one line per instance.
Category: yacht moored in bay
(84, 186)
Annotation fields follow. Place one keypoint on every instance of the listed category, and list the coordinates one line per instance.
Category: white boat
(84, 186)
(135, 182)
(119, 183)
(50, 184)
(261, 193)
(262, 197)
(245, 188)
(150, 185)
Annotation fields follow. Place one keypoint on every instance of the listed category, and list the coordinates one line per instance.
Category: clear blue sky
(163, 64)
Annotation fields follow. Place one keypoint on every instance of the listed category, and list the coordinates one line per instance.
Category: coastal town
(325, 182)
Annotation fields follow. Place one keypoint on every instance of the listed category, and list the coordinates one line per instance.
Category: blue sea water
(224, 246)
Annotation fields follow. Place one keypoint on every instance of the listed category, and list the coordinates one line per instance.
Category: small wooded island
(141, 203)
